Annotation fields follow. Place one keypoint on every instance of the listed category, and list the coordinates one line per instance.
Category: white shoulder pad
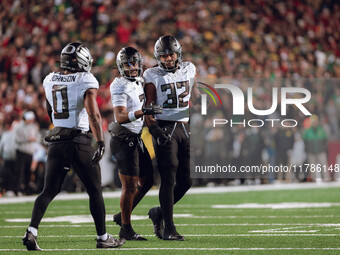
(88, 79)
(189, 67)
(152, 73)
(47, 79)
(118, 86)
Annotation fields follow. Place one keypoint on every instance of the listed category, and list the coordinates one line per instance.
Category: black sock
(166, 198)
(127, 228)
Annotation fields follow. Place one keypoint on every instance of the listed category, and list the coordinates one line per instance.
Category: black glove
(160, 136)
(163, 139)
(98, 154)
(152, 109)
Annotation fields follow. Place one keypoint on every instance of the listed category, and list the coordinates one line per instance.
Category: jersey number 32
(171, 102)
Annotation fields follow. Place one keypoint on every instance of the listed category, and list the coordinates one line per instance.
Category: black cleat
(30, 241)
(110, 242)
(155, 214)
(117, 218)
(172, 236)
(131, 236)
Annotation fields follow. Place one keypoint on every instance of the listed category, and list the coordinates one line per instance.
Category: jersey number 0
(59, 94)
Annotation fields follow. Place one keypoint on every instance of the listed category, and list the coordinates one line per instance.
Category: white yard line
(206, 217)
(265, 224)
(193, 235)
(266, 216)
(196, 190)
(185, 249)
(283, 205)
(203, 224)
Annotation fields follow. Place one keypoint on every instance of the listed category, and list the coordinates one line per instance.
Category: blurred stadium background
(225, 39)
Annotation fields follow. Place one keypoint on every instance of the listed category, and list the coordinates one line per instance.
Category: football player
(169, 85)
(133, 160)
(72, 107)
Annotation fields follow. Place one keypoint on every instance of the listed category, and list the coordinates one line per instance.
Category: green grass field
(298, 221)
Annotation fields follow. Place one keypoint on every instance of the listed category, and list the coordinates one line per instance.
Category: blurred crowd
(241, 39)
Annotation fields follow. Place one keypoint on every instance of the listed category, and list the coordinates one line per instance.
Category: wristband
(131, 116)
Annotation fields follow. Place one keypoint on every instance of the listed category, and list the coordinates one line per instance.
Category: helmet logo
(76, 57)
(69, 50)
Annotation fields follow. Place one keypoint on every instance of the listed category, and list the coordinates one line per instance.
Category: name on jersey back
(60, 78)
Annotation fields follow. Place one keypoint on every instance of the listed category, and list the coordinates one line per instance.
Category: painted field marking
(185, 249)
(195, 190)
(285, 230)
(203, 224)
(192, 235)
(88, 218)
(265, 216)
(292, 205)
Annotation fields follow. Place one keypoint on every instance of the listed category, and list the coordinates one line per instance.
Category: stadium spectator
(284, 140)
(38, 167)
(298, 157)
(8, 156)
(26, 135)
(315, 139)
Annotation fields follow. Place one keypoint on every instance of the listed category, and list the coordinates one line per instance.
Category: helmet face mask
(169, 61)
(165, 47)
(76, 57)
(130, 63)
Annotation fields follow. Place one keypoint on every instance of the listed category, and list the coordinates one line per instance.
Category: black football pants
(173, 164)
(78, 154)
(131, 159)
